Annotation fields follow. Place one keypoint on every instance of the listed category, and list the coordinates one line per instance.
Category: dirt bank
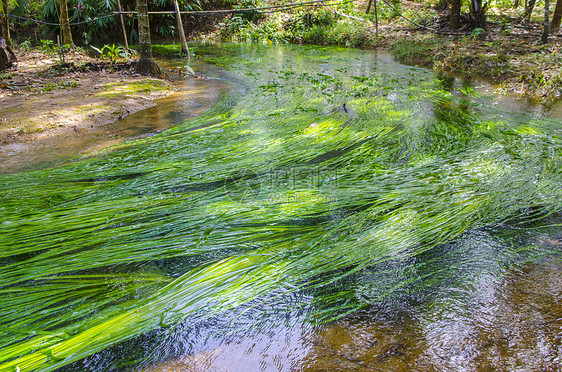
(44, 98)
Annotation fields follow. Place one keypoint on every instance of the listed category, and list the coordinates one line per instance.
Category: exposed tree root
(147, 66)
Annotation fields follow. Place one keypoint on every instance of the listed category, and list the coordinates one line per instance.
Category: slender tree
(546, 29)
(5, 23)
(146, 64)
(556, 17)
(455, 18)
(529, 9)
(478, 13)
(442, 5)
(65, 24)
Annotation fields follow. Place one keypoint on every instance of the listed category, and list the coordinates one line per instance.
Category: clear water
(507, 322)
(284, 176)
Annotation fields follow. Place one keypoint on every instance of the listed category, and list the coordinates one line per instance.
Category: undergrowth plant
(112, 52)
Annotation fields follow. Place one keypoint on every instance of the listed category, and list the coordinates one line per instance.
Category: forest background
(511, 43)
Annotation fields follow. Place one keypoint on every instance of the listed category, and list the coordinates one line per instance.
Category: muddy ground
(43, 97)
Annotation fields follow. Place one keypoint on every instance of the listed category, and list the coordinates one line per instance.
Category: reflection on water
(513, 324)
(193, 97)
(484, 322)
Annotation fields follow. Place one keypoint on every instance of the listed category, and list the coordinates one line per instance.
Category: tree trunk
(478, 13)
(376, 23)
(546, 29)
(369, 7)
(181, 31)
(7, 56)
(516, 4)
(529, 9)
(65, 24)
(455, 19)
(5, 23)
(146, 64)
(442, 5)
(556, 17)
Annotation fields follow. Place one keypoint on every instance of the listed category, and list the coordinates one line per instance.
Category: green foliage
(47, 87)
(167, 31)
(47, 47)
(309, 27)
(230, 27)
(271, 31)
(6, 75)
(315, 35)
(61, 51)
(307, 19)
(347, 181)
(167, 25)
(26, 45)
(387, 12)
(79, 11)
(422, 51)
(113, 52)
(250, 16)
(242, 28)
(349, 33)
(477, 32)
(505, 26)
(166, 49)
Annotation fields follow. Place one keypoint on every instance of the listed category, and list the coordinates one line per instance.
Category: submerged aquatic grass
(327, 168)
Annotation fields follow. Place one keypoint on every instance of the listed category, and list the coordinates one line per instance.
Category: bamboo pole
(123, 25)
(181, 31)
(376, 23)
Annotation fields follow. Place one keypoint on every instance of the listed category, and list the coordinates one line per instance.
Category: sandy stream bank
(38, 100)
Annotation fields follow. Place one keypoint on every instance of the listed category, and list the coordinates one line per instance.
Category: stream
(299, 209)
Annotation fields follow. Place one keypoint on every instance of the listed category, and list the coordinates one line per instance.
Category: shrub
(316, 35)
(350, 33)
(230, 27)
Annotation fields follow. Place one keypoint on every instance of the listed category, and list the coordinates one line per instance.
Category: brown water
(514, 325)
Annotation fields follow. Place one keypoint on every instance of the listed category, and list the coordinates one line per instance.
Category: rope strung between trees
(297, 5)
(268, 9)
(263, 10)
(58, 24)
(434, 29)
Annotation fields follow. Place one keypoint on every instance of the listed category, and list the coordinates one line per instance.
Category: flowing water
(333, 211)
